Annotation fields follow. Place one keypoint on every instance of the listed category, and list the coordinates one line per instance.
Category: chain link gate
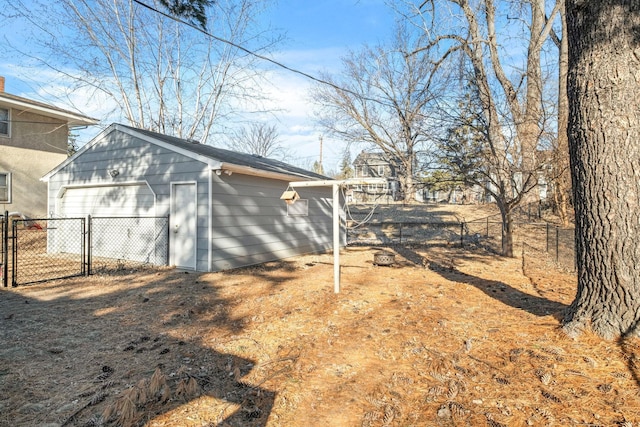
(4, 249)
(47, 249)
(38, 250)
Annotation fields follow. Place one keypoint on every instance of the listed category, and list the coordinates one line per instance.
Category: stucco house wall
(36, 142)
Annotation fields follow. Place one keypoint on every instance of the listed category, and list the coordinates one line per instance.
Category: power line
(250, 52)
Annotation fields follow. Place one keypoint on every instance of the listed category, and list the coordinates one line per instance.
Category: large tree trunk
(604, 145)
(507, 227)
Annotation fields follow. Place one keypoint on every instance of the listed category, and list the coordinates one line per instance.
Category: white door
(183, 225)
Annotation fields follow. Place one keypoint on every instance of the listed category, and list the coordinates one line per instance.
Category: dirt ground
(444, 337)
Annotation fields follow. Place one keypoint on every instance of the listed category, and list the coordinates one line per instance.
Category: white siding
(250, 222)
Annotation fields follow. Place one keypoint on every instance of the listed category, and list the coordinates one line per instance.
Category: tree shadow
(629, 344)
(76, 356)
(534, 304)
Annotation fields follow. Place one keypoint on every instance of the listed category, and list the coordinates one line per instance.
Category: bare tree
(162, 75)
(260, 139)
(381, 100)
(604, 130)
(511, 104)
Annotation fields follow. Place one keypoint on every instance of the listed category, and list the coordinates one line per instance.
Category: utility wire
(253, 53)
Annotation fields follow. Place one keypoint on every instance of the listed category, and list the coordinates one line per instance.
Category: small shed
(224, 207)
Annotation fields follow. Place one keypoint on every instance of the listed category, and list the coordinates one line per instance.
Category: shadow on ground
(121, 358)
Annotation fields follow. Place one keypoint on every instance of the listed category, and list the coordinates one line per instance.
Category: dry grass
(445, 337)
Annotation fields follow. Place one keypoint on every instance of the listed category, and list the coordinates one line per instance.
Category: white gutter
(230, 168)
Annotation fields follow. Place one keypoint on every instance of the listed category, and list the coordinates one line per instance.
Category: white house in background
(33, 140)
(225, 208)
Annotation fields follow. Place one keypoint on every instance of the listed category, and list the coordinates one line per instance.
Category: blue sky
(318, 34)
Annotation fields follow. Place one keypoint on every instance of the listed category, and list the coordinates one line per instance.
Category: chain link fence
(122, 242)
(398, 233)
(38, 250)
(539, 237)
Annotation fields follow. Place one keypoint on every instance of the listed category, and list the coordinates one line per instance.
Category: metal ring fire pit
(384, 258)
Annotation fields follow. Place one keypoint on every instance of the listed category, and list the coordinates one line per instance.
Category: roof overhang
(72, 119)
(230, 168)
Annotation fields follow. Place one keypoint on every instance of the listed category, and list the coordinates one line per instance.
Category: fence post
(169, 240)
(87, 243)
(5, 251)
(547, 237)
(400, 233)
(462, 234)
(14, 253)
(557, 244)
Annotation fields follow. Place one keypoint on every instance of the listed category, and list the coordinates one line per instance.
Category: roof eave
(248, 170)
(72, 119)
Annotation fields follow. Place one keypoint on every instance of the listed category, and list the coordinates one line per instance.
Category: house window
(380, 170)
(299, 208)
(5, 187)
(4, 122)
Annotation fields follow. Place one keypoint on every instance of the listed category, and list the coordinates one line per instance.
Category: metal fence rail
(542, 237)
(389, 233)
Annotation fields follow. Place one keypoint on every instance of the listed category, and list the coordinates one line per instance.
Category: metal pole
(5, 252)
(336, 238)
(557, 244)
(88, 226)
(14, 253)
(547, 237)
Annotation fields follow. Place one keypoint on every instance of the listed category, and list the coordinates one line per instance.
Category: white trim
(8, 134)
(212, 164)
(64, 188)
(210, 218)
(172, 185)
(8, 178)
(185, 152)
(248, 170)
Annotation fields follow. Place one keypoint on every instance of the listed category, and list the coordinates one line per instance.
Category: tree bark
(604, 146)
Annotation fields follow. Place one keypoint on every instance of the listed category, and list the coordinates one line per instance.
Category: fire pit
(384, 258)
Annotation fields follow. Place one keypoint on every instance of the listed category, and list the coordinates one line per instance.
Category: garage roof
(217, 158)
(232, 158)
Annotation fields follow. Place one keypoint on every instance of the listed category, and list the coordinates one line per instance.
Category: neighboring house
(225, 208)
(33, 140)
(373, 165)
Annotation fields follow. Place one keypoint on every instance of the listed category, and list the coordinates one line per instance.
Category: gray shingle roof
(232, 157)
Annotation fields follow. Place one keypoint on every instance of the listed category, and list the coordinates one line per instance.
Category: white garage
(223, 208)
